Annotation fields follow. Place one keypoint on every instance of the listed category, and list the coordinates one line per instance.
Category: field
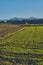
(21, 45)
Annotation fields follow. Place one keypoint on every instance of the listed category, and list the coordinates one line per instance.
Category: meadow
(21, 44)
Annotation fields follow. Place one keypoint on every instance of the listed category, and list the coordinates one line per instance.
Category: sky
(21, 8)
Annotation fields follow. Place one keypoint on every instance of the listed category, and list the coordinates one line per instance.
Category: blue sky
(21, 8)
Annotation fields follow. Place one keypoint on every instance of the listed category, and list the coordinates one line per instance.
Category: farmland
(21, 45)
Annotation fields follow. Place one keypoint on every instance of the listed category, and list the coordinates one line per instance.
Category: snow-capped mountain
(15, 18)
(32, 18)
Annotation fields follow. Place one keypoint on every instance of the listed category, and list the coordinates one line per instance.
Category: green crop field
(22, 47)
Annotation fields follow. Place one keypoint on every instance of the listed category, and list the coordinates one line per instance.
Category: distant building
(26, 23)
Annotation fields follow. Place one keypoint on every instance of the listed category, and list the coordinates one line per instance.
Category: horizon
(21, 17)
(21, 9)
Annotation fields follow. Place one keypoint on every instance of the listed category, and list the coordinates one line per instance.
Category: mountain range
(16, 20)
